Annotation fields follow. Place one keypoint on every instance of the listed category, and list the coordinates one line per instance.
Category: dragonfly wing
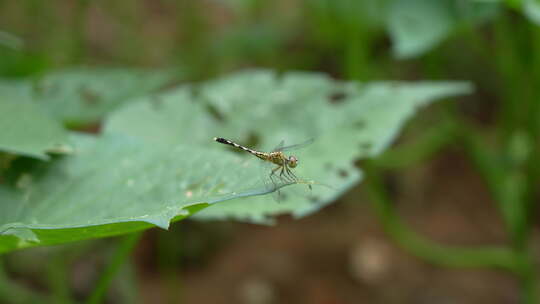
(297, 146)
(279, 147)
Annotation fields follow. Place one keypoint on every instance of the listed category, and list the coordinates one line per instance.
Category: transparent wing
(294, 147)
(279, 147)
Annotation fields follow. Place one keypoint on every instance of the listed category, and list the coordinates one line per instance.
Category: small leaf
(531, 9)
(82, 96)
(416, 26)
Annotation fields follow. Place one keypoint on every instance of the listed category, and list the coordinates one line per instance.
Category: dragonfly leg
(274, 170)
(284, 174)
(273, 175)
(282, 171)
(291, 175)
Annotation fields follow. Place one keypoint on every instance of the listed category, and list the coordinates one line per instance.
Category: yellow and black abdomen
(261, 155)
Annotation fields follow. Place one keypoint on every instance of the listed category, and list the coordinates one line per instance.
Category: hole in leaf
(93, 128)
(213, 111)
(337, 97)
(365, 145)
(89, 96)
(195, 93)
(156, 103)
(38, 87)
(360, 124)
(44, 87)
(279, 75)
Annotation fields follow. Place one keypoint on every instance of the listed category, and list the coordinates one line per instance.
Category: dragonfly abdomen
(260, 155)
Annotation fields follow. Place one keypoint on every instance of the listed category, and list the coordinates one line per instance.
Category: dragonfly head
(292, 161)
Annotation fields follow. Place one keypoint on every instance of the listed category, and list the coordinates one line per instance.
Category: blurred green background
(448, 215)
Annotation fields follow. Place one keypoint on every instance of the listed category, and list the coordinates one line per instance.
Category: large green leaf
(80, 96)
(157, 162)
(112, 185)
(348, 121)
(25, 129)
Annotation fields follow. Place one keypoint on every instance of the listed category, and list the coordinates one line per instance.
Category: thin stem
(122, 253)
(57, 277)
(356, 53)
(507, 185)
(436, 253)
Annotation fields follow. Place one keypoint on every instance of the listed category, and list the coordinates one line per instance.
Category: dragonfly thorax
(277, 158)
(280, 159)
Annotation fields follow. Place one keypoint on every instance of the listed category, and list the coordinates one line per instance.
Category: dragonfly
(283, 163)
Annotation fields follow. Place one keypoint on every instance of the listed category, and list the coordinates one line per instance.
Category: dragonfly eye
(292, 161)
